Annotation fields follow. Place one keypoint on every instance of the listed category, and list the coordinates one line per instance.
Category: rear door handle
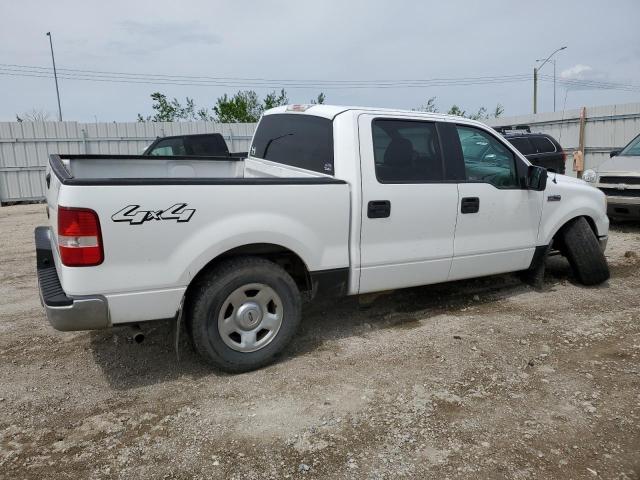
(470, 205)
(379, 209)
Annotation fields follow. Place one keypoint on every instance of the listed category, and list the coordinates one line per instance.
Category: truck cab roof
(332, 111)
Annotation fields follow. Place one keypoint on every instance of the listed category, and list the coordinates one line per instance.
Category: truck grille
(614, 192)
(627, 180)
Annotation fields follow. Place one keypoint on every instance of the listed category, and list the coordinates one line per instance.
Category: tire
(261, 314)
(580, 246)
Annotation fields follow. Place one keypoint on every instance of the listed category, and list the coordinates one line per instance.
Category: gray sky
(317, 40)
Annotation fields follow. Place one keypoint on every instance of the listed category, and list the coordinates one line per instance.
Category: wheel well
(592, 224)
(557, 237)
(282, 256)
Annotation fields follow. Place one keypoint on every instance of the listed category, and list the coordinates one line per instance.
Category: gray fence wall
(25, 146)
(606, 128)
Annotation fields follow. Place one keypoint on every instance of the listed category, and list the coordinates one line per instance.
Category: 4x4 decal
(134, 216)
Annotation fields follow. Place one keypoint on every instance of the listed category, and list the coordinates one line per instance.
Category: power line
(314, 82)
(590, 82)
(100, 73)
(152, 81)
(15, 70)
(596, 84)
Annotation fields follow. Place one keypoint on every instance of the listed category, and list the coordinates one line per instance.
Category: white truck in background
(619, 180)
(330, 201)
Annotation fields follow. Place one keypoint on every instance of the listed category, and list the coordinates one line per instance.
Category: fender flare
(566, 222)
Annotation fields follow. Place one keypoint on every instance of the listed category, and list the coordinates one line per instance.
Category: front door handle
(470, 205)
(379, 209)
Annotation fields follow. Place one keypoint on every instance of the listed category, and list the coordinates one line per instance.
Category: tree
(319, 100)
(430, 106)
(273, 100)
(243, 107)
(498, 111)
(203, 114)
(456, 110)
(165, 111)
(34, 115)
(173, 111)
(481, 114)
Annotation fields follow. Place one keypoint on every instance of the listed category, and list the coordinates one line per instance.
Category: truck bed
(92, 168)
(196, 210)
(95, 167)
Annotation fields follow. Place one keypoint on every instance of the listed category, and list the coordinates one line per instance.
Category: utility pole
(535, 90)
(535, 80)
(553, 60)
(554, 84)
(55, 76)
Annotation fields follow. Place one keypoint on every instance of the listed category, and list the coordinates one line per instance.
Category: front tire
(244, 313)
(580, 246)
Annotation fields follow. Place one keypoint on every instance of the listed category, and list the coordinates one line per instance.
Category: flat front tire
(244, 313)
(581, 247)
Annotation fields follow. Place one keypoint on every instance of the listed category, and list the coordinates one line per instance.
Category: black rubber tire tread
(211, 292)
(582, 249)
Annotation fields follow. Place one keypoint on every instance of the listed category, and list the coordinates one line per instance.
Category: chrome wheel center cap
(249, 315)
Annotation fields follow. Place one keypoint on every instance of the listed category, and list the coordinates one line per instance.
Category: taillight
(79, 237)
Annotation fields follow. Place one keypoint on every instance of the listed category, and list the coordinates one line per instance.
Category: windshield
(633, 149)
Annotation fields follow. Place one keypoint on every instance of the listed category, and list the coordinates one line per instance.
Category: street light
(554, 80)
(535, 80)
(55, 76)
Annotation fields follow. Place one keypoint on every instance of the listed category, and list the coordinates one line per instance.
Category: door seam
(455, 230)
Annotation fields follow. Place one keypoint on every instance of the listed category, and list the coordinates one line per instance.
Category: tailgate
(52, 185)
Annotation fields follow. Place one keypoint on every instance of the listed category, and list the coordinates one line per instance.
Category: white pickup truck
(330, 201)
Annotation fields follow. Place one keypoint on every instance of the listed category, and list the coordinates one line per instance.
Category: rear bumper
(87, 312)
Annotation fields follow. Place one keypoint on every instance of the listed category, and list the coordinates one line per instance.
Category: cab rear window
(302, 141)
(206, 145)
(169, 147)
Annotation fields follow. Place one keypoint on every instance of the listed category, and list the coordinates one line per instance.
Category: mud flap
(534, 275)
(178, 327)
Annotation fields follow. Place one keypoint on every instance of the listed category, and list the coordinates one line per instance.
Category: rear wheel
(581, 247)
(244, 313)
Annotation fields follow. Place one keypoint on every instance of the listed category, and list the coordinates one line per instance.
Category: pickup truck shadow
(127, 365)
(352, 316)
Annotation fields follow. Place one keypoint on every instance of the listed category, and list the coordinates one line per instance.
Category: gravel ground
(475, 379)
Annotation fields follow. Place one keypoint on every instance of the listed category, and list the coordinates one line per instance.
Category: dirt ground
(475, 379)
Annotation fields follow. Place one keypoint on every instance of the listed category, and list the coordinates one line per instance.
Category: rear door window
(303, 141)
(543, 145)
(523, 145)
(406, 151)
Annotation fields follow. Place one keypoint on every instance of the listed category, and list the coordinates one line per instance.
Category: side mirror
(537, 178)
(614, 153)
